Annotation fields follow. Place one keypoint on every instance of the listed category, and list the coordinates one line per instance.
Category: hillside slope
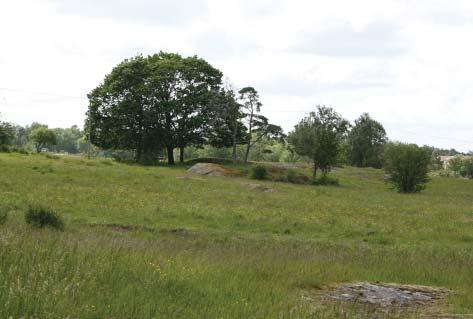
(140, 242)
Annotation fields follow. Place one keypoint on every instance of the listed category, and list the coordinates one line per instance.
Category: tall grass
(209, 247)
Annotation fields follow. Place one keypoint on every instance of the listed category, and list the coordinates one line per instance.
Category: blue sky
(407, 63)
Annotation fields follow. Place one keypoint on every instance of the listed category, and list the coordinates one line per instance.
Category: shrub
(259, 172)
(455, 165)
(291, 176)
(326, 180)
(19, 150)
(3, 215)
(41, 217)
(407, 166)
(467, 168)
(4, 149)
(123, 156)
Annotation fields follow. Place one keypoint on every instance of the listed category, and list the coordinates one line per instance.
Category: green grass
(141, 243)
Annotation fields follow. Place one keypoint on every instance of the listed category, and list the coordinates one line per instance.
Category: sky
(409, 64)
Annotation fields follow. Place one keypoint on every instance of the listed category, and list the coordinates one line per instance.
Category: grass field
(141, 243)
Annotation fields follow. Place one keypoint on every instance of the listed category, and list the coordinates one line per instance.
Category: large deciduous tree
(119, 110)
(318, 137)
(149, 103)
(365, 142)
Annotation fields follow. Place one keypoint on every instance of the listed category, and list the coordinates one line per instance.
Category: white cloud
(407, 63)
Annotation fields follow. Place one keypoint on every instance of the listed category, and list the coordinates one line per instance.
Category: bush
(3, 215)
(455, 165)
(259, 172)
(19, 150)
(291, 176)
(123, 156)
(407, 166)
(467, 168)
(4, 149)
(326, 180)
(41, 217)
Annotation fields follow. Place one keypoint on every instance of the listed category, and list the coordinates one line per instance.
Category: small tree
(318, 137)
(407, 166)
(366, 142)
(258, 125)
(7, 133)
(42, 137)
(467, 168)
(455, 164)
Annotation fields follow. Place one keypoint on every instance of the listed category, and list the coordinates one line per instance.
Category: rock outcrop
(208, 169)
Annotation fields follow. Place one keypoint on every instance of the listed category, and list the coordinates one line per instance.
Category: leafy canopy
(407, 166)
(42, 137)
(366, 142)
(148, 103)
(318, 137)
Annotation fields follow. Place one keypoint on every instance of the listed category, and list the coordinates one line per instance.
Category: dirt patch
(385, 298)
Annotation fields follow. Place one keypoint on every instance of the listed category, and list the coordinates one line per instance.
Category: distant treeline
(151, 109)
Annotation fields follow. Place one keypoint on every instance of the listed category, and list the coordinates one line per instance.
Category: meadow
(140, 242)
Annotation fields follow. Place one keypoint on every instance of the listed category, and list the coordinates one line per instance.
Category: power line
(273, 111)
(42, 93)
(438, 137)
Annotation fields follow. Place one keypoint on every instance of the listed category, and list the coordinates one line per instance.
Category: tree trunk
(247, 152)
(314, 175)
(170, 151)
(181, 154)
(250, 132)
(234, 151)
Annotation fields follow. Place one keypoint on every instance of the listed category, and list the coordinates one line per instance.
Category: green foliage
(467, 168)
(68, 139)
(7, 133)
(149, 103)
(291, 176)
(226, 128)
(435, 161)
(455, 164)
(318, 137)
(42, 137)
(40, 216)
(259, 172)
(258, 125)
(407, 166)
(365, 142)
(263, 151)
